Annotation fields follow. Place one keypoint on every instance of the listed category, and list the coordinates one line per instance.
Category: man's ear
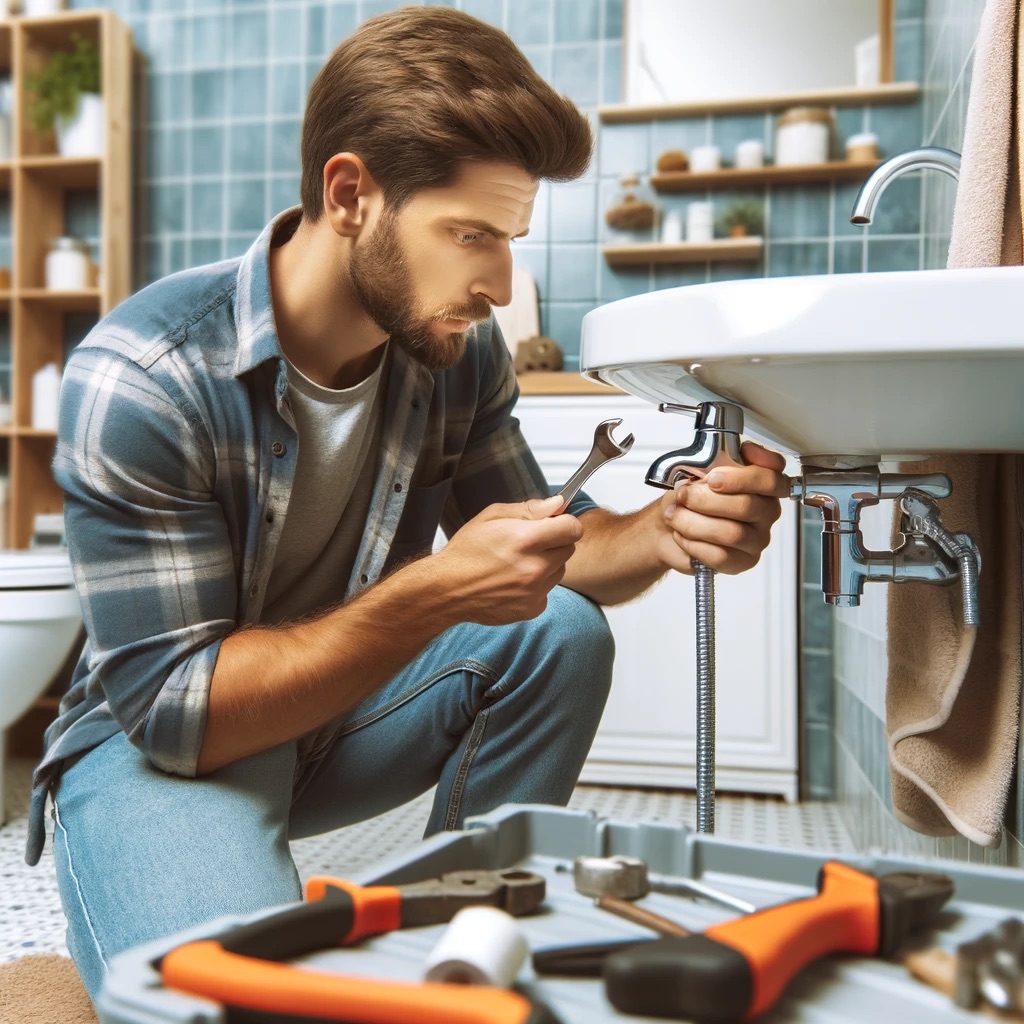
(349, 189)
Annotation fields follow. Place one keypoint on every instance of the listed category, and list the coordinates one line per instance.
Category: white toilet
(40, 618)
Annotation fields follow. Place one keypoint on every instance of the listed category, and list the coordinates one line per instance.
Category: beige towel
(953, 693)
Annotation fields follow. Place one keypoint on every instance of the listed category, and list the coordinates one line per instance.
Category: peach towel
(953, 692)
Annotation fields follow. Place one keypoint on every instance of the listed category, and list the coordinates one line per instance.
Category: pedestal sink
(879, 367)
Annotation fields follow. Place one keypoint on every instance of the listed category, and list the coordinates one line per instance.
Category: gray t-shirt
(339, 434)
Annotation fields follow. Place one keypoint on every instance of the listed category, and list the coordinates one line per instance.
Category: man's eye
(466, 237)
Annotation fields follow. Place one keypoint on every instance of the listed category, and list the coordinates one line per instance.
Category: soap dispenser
(45, 397)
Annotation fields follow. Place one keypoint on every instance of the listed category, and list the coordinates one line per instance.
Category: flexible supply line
(704, 584)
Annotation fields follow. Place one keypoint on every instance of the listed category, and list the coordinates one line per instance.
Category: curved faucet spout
(927, 157)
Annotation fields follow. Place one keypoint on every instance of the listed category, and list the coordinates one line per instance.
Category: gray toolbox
(546, 840)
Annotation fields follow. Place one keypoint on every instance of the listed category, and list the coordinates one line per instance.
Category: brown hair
(417, 91)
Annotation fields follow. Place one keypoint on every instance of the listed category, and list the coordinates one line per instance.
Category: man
(256, 456)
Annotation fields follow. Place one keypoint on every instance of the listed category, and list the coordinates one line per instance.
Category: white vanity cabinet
(648, 734)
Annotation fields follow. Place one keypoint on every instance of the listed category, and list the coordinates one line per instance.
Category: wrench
(605, 449)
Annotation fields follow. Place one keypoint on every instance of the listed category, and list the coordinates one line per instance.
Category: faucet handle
(716, 443)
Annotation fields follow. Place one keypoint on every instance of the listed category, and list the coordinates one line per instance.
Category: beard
(382, 283)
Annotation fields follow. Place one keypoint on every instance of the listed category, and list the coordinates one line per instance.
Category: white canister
(705, 158)
(67, 264)
(672, 228)
(700, 222)
(82, 134)
(750, 154)
(45, 397)
(803, 136)
(3, 511)
(41, 8)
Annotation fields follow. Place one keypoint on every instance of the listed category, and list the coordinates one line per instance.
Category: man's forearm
(271, 685)
(616, 560)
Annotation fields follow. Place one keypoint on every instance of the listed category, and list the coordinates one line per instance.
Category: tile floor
(31, 920)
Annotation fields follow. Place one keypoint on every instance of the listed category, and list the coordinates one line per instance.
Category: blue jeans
(490, 714)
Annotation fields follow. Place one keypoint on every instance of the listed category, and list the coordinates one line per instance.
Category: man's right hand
(501, 565)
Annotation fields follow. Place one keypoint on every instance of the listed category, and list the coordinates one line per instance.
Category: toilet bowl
(40, 619)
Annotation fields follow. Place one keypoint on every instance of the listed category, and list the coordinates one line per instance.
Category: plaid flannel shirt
(176, 453)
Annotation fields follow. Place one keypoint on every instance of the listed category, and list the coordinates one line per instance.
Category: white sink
(891, 365)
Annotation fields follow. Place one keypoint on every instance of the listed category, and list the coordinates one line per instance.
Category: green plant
(54, 91)
(748, 215)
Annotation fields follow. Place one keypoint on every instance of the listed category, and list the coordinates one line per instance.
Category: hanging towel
(953, 692)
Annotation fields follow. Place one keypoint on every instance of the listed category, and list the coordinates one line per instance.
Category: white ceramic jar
(705, 158)
(67, 264)
(803, 136)
(750, 154)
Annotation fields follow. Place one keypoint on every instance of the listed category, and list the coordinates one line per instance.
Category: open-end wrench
(605, 449)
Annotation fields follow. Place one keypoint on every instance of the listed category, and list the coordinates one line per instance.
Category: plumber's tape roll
(481, 946)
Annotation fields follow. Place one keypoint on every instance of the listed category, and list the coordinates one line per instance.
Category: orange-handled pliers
(243, 968)
(735, 971)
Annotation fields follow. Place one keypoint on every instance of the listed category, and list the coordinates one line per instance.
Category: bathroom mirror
(682, 51)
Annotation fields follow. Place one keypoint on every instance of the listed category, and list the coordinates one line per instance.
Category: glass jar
(67, 264)
(633, 214)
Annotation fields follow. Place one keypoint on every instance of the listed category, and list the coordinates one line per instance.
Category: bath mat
(43, 988)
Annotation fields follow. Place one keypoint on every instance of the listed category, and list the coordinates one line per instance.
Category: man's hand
(501, 565)
(725, 519)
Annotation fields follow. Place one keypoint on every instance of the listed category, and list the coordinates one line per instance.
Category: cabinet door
(648, 734)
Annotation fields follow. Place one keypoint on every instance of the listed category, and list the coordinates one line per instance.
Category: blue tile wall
(223, 102)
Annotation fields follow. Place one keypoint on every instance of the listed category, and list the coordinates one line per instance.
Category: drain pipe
(716, 443)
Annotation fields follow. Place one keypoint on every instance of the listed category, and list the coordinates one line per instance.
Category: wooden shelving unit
(38, 181)
(854, 96)
(732, 177)
(721, 249)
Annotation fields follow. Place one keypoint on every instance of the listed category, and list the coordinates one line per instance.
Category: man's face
(428, 273)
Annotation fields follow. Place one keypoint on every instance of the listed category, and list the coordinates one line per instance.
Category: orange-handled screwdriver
(737, 970)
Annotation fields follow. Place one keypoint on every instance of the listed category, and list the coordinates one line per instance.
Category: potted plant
(65, 97)
(742, 218)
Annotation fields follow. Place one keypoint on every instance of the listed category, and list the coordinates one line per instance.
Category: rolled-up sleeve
(150, 550)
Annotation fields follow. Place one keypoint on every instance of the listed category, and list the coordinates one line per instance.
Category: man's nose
(496, 284)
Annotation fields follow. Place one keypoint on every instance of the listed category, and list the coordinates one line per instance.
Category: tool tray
(546, 840)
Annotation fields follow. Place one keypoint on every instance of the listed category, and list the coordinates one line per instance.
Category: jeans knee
(581, 627)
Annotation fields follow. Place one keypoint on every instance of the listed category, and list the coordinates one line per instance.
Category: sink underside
(880, 365)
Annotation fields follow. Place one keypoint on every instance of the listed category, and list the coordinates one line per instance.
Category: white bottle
(3, 512)
(45, 397)
(672, 228)
(700, 222)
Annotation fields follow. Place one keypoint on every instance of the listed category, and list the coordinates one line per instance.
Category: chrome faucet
(927, 157)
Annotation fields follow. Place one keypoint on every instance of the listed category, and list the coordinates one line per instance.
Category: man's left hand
(724, 519)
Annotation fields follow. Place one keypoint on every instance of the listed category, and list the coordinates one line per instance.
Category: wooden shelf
(35, 432)
(732, 177)
(87, 300)
(642, 253)
(64, 172)
(562, 382)
(890, 93)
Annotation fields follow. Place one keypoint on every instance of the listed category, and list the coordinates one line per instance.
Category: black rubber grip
(586, 961)
(303, 928)
(694, 978)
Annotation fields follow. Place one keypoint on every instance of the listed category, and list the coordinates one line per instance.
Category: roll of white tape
(481, 946)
